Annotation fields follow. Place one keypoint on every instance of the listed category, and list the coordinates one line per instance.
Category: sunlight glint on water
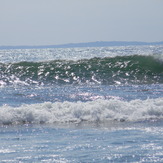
(82, 104)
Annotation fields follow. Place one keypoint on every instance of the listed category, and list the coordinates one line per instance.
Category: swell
(134, 69)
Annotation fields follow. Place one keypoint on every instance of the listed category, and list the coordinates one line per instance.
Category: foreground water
(110, 142)
(82, 104)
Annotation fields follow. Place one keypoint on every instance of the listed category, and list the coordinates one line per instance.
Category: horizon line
(85, 44)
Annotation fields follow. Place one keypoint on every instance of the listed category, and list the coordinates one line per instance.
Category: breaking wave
(76, 112)
(134, 69)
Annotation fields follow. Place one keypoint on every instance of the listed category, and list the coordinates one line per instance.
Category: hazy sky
(50, 22)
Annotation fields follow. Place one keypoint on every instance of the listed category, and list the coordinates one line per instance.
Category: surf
(135, 69)
(97, 111)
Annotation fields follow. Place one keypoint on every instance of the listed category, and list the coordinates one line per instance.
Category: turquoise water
(82, 104)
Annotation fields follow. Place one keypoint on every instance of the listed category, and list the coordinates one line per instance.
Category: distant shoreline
(87, 44)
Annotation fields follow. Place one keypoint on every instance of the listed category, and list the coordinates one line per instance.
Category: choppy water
(81, 104)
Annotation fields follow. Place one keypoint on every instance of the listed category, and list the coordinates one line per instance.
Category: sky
(53, 22)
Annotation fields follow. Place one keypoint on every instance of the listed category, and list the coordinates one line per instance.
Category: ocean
(97, 104)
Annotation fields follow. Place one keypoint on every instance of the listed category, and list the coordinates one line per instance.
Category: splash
(76, 112)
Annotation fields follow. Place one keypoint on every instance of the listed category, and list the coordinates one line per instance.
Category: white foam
(93, 111)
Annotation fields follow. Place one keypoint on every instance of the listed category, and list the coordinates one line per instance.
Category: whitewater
(98, 104)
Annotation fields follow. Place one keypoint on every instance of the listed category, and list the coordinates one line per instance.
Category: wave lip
(76, 112)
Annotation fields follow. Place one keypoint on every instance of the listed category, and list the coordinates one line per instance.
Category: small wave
(76, 112)
(135, 69)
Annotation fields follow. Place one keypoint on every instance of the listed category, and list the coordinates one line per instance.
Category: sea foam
(76, 112)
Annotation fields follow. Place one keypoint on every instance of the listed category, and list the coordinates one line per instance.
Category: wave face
(76, 112)
(134, 69)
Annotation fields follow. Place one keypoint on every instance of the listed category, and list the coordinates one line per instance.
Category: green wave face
(119, 70)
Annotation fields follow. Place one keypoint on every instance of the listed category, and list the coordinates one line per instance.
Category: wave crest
(76, 112)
